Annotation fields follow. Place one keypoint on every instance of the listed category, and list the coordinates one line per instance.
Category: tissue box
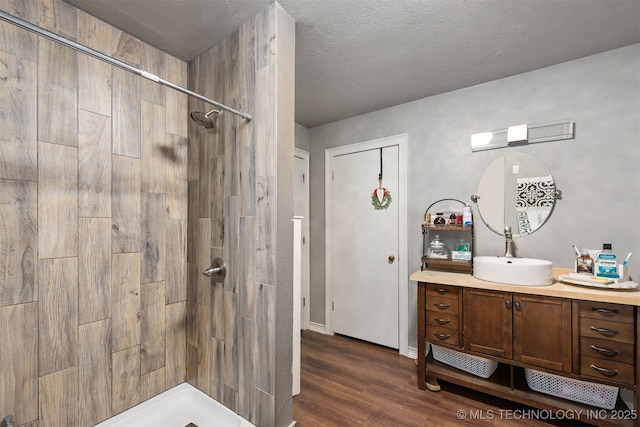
(461, 255)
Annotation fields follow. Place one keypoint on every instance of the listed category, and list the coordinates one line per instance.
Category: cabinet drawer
(449, 306)
(606, 311)
(606, 329)
(442, 291)
(606, 369)
(606, 350)
(440, 335)
(440, 319)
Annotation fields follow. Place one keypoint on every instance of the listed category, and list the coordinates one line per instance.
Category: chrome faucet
(508, 252)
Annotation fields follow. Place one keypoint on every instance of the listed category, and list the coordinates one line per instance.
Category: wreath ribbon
(381, 197)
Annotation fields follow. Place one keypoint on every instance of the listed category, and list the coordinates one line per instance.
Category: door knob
(217, 271)
(392, 258)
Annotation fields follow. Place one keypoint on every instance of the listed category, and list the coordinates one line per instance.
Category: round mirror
(517, 191)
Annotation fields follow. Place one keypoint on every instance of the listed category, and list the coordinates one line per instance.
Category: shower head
(203, 119)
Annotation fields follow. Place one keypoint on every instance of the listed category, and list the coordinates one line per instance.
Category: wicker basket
(600, 395)
(466, 362)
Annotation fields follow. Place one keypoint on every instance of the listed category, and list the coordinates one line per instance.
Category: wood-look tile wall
(93, 221)
(240, 209)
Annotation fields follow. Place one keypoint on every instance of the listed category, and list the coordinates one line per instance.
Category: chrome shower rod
(41, 31)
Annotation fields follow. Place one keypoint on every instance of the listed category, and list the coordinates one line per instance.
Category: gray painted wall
(598, 172)
(302, 137)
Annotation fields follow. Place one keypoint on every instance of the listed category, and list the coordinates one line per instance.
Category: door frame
(305, 318)
(401, 140)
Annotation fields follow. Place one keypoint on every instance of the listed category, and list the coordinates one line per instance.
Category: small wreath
(381, 203)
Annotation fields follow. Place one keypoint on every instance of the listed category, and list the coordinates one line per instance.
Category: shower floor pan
(180, 406)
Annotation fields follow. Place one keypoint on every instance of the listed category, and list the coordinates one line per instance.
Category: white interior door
(363, 246)
(297, 258)
(301, 209)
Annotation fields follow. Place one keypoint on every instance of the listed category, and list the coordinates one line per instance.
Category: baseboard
(317, 327)
(413, 353)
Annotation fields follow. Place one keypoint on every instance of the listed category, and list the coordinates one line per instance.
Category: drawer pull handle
(605, 351)
(508, 302)
(442, 290)
(604, 371)
(442, 321)
(604, 331)
(442, 336)
(604, 310)
(441, 306)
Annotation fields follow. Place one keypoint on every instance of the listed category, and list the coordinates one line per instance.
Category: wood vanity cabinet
(488, 325)
(443, 320)
(578, 333)
(605, 336)
(529, 329)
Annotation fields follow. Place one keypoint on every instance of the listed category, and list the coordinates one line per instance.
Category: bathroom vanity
(576, 332)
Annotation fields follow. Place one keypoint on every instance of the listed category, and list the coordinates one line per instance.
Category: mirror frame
(520, 180)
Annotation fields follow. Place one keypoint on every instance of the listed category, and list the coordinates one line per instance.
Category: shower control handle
(217, 271)
(210, 272)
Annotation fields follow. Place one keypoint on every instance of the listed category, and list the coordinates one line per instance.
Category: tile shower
(105, 225)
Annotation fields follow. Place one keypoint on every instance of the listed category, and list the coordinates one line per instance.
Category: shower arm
(81, 48)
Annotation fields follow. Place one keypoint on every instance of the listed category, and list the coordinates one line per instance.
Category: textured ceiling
(358, 56)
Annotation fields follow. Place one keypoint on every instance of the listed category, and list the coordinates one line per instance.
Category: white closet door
(363, 246)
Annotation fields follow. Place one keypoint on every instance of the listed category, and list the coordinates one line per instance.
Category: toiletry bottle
(605, 264)
(467, 217)
(426, 221)
(439, 220)
(452, 219)
(584, 263)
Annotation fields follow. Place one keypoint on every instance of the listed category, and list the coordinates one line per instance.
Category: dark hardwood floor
(347, 382)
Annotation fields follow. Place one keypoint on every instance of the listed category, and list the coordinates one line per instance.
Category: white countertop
(557, 289)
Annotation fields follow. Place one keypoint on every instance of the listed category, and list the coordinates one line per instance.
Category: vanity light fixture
(517, 135)
(523, 134)
(481, 139)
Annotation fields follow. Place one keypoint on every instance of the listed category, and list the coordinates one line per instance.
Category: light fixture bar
(536, 132)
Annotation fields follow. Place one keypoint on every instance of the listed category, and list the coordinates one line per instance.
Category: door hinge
(304, 302)
(303, 240)
(333, 305)
(302, 177)
(333, 176)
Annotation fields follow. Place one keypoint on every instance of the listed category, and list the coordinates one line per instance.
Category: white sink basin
(513, 271)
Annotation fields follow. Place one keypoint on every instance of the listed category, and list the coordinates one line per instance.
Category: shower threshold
(180, 406)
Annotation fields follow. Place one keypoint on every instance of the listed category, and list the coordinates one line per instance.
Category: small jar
(452, 219)
(439, 219)
(437, 250)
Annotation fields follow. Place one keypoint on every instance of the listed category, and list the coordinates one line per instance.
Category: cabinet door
(487, 322)
(542, 331)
